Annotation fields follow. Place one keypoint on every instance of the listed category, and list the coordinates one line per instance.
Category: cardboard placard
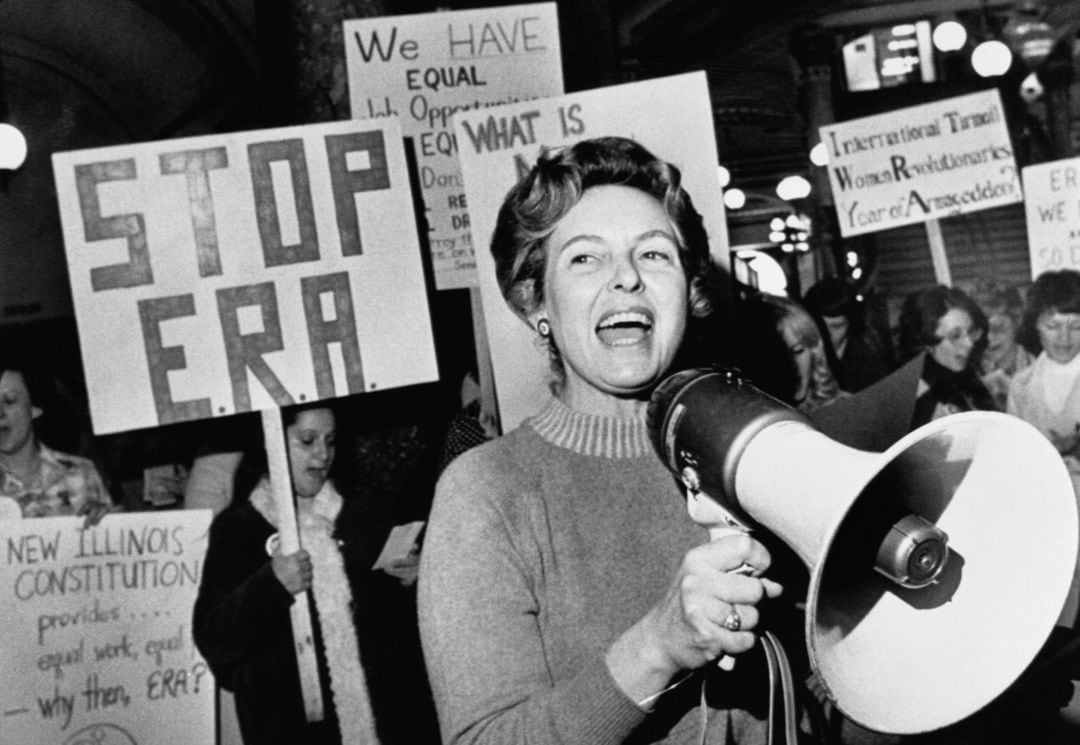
(97, 630)
(498, 144)
(1052, 211)
(921, 163)
(251, 270)
(426, 67)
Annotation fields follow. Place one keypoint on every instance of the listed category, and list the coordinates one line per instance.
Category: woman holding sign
(242, 620)
(564, 592)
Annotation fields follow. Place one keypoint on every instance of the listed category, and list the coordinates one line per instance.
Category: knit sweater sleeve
(479, 608)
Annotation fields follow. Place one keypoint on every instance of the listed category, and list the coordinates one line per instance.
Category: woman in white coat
(1047, 393)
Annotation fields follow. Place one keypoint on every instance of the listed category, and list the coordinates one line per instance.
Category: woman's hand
(94, 512)
(688, 624)
(406, 570)
(686, 629)
(293, 571)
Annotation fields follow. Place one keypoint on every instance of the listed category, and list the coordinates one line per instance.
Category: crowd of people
(563, 594)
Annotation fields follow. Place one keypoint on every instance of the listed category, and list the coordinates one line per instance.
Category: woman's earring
(543, 327)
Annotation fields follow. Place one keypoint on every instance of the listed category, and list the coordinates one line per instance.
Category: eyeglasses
(1056, 327)
(957, 335)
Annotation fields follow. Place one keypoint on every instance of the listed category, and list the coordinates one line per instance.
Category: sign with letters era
(921, 163)
(499, 145)
(1052, 208)
(97, 631)
(244, 271)
(426, 67)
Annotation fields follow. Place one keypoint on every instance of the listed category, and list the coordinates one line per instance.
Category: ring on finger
(732, 621)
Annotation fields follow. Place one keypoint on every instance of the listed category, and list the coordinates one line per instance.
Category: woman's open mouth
(624, 328)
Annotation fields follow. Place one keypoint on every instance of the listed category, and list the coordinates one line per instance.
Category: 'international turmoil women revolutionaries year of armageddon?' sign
(244, 271)
(921, 163)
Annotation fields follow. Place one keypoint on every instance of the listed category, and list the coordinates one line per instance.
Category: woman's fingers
(94, 512)
(720, 627)
(733, 552)
(711, 609)
(294, 571)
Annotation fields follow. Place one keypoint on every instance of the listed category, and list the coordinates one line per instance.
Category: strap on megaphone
(783, 715)
(782, 711)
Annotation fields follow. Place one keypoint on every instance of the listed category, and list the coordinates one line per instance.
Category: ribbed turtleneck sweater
(543, 546)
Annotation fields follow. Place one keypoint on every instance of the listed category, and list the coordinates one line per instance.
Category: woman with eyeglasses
(1047, 394)
(949, 330)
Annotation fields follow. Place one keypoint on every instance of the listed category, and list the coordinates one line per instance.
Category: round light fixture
(991, 58)
(793, 187)
(734, 198)
(949, 36)
(12, 147)
(819, 154)
(769, 274)
(725, 176)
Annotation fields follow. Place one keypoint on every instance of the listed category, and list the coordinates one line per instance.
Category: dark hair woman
(949, 328)
(242, 622)
(36, 480)
(1047, 394)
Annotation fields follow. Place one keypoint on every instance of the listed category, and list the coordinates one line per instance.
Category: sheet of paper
(399, 544)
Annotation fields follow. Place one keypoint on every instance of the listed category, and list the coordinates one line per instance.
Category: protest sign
(921, 163)
(426, 67)
(227, 273)
(1052, 210)
(97, 631)
(498, 145)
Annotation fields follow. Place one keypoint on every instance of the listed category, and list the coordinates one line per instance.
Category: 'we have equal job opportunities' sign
(252, 270)
(426, 67)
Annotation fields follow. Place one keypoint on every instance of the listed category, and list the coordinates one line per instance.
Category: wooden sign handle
(488, 402)
(937, 252)
(289, 535)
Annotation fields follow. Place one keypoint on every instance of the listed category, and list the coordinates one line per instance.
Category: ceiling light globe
(991, 58)
(949, 36)
(12, 147)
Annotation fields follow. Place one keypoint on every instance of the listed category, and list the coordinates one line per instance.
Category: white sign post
(97, 631)
(920, 164)
(498, 145)
(1052, 209)
(246, 271)
(428, 66)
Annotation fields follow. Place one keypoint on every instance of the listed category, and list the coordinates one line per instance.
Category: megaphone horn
(937, 568)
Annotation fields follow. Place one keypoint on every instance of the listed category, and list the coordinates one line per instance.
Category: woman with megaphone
(564, 593)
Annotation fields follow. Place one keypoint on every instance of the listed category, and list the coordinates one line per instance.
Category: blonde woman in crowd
(1004, 356)
(782, 350)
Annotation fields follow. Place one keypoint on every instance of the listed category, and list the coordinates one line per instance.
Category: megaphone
(937, 568)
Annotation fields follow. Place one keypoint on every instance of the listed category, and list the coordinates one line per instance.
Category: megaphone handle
(727, 662)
